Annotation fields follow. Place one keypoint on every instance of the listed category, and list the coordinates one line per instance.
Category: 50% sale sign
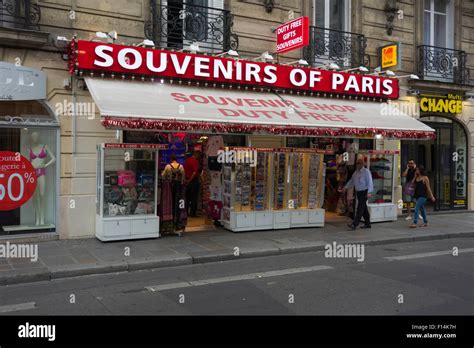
(17, 180)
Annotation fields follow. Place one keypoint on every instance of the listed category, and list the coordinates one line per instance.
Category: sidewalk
(69, 258)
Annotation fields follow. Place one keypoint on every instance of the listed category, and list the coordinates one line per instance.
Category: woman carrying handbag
(422, 194)
(409, 189)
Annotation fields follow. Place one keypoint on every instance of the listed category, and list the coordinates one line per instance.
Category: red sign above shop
(17, 180)
(136, 146)
(293, 35)
(95, 56)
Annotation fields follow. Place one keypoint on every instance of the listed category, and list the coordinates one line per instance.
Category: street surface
(413, 278)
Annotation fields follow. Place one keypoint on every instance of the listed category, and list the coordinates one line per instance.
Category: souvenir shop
(266, 143)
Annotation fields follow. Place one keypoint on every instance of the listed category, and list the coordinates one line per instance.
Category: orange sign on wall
(389, 56)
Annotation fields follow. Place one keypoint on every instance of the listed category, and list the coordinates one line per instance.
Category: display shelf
(127, 191)
(382, 165)
(286, 190)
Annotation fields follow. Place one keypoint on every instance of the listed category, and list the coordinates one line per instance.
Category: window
(189, 21)
(332, 14)
(330, 36)
(438, 23)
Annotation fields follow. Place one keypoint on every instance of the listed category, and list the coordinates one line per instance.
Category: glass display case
(285, 188)
(247, 192)
(126, 204)
(306, 187)
(280, 180)
(382, 166)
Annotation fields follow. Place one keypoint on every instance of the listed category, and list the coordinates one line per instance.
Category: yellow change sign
(451, 106)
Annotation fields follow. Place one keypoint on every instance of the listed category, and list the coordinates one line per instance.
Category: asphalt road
(409, 278)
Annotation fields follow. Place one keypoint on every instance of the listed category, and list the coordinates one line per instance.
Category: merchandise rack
(121, 215)
(383, 167)
(284, 190)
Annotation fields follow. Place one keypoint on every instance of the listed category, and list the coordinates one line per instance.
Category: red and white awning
(146, 105)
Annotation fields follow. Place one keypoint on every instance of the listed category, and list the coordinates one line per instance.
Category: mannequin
(39, 154)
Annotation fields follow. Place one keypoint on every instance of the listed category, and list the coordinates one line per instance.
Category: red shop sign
(17, 180)
(293, 35)
(97, 56)
(136, 146)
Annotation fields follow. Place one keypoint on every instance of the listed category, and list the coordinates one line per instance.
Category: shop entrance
(337, 207)
(445, 160)
(208, 188)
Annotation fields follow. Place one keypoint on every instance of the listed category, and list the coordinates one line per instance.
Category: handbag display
(144, 208)
(146, 179)
(113, 195)
(126, 178)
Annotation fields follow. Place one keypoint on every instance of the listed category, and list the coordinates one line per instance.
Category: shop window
(302, 142)
(38, 147)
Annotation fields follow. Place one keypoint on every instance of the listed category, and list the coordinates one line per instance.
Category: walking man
(362, 181)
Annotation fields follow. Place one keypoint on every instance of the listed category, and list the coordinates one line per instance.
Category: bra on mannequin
(41, 155)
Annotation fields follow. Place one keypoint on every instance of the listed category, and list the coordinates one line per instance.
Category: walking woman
(173, 206)
(422, 193)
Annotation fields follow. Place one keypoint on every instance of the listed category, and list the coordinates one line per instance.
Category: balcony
(177, 25)
(19, 24)
(19, 14)
(341, 47)
(442, 64)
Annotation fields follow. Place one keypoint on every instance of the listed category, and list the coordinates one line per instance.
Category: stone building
(436, 43)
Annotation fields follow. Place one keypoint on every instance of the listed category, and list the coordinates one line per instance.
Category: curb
(15, 277)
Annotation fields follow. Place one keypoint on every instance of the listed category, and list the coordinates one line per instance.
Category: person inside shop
(421, 195)
(362, 181)
(191, 169)
(173, 215)
(341, 174)
(409, 190)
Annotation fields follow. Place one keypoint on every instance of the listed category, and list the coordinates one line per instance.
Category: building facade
(436, 40)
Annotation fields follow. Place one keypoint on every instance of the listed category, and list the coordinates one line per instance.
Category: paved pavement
(422, 278)
(69, 258)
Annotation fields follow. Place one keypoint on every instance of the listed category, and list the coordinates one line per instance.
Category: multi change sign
(452, 104)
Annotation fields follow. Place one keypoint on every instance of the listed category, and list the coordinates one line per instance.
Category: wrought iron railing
(442, 64)
(19, 14)
(341, 47)
(177, 25)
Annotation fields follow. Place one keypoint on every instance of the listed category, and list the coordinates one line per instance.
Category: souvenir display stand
(306, 182)
(284, 189)
(383, 167)
(127, 191)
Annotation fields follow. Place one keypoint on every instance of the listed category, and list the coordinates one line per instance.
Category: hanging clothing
(214, 144)
(173, 199)
(166, 212)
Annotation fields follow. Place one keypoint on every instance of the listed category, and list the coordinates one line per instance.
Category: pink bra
(42, 154)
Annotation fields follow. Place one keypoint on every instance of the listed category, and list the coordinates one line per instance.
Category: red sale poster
(17, 180)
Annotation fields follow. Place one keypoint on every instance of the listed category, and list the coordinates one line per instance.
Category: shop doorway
(183, 145)
(445, 160)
